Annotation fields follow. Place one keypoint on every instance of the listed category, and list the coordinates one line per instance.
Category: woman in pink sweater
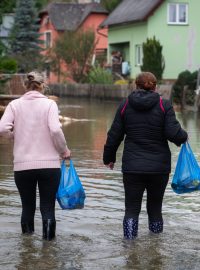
(39, 143)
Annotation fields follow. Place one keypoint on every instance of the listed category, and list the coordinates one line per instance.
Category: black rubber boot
(49, 229)
(156, 227)
(27, 227)
(130, 227)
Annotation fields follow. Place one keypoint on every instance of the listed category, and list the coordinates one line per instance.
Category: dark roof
(129, 11)
(69, 16)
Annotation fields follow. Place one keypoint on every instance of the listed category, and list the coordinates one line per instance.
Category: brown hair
(146, 81)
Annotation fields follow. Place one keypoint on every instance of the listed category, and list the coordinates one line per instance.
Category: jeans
(48, 182)
(135, 185)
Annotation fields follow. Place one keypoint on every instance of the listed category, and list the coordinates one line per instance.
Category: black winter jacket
(147, 129)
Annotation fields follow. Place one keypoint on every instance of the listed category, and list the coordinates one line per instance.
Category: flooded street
(91, 238)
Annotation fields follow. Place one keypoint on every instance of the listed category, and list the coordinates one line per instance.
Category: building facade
(174, 23)
(61, 17)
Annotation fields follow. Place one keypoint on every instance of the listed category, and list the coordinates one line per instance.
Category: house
(60, 17)
(175, 23)
(5, 27)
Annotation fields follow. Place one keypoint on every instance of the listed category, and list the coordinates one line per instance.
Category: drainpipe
(98, 29)
(103, 35)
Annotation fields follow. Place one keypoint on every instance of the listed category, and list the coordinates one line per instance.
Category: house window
(47, 70)
(138, 55)
(46, 20)
(177, 13)
(47, 40)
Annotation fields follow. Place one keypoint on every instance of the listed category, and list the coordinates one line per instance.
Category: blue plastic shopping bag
(187, 173)
(70, 194)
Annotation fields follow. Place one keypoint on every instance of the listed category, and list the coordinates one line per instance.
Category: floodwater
(91, 238)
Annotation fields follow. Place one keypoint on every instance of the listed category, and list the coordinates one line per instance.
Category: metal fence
(12, 84)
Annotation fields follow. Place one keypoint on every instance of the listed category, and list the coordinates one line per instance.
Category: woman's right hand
(66, 154)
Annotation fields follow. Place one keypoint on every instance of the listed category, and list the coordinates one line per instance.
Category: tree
(75, 49)
(41, 3)
(6, 7)
(110, 5)
(153, 60)
(24, 39)
(2, 48)
(7, 66)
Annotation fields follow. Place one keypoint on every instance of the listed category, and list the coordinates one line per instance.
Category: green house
(176, 24)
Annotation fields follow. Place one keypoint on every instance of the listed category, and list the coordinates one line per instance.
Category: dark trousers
(135, 185)
(48, 182)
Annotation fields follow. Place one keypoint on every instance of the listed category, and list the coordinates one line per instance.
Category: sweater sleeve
(6, 122)
(173, 131)
(114, 137)
(55, 129)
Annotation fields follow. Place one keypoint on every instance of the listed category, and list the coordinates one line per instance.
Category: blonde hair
(146, 81)
(31, 85)
(34, 81)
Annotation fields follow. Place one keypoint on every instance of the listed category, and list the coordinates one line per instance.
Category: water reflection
(92, 238)
(36, 255)
(145, 254)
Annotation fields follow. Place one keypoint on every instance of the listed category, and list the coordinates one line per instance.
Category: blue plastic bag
(70, 194)
(187, 173)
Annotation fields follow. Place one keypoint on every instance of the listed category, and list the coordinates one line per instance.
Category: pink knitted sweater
(33, 122)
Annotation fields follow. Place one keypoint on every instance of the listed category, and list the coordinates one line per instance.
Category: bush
(8, 65)
(185, 78)
(98, 75)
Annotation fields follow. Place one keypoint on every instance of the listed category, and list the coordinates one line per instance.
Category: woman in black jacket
(148, 123)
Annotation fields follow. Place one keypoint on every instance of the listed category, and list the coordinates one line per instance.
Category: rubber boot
(49, 229)
(27, 227)
(156, 226)
(130, 226)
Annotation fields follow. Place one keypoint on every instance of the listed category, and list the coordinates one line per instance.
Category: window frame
(138, 55)
(45, 39)
(177, 22)
(47, 69)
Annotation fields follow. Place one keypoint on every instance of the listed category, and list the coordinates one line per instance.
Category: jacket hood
(143, 100)
(30, 95)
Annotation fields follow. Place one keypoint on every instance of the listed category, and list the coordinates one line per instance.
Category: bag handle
(62, 169)
(63, 164)
(187, 145)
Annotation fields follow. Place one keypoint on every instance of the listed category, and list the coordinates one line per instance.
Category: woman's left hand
(110, 165)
